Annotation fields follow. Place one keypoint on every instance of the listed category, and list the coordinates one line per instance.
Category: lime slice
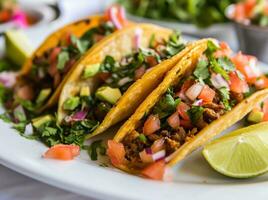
(18, 47)
(242, 153)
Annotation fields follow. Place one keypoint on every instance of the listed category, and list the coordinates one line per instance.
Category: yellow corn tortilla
(117, 46)
(184, 67)
(77, 28)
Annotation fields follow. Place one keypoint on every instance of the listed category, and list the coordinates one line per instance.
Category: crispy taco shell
(184, 67)
(117, 46)
(77, 28)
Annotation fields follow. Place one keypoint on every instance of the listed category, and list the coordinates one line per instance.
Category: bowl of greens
(250, 19)
(200, 18)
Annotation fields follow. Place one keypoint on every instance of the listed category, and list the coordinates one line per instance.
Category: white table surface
(14, 186)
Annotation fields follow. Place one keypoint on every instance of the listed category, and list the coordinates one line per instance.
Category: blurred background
(243, 26)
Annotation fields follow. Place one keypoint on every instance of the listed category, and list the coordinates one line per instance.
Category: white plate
(194, 179)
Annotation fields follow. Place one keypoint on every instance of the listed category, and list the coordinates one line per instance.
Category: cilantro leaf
(95, 149)
(225, 97)
(216, 67)
(201, 72)
(63, 58)
(226, 64)
(195, 113)
(211, 48)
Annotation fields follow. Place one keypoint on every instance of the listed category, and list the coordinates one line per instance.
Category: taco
(209, 90)
(43, 75)
(109, 85)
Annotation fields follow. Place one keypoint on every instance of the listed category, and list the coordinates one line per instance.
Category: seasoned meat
(200, 124)
(179, 135)
(210, 115)
(237, 96)
(153, 137)
(214, 106)
(171, 145)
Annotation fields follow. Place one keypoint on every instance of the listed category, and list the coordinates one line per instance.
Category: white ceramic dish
(43, 13)
(194, 179)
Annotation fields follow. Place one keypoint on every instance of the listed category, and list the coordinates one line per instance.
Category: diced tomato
(174, 120)
(151, 125)
(116, 152)
(158, 145)
(236, 84)
(186, 124)
(249, 7)
(247, 65)
(266, 9)
(52, 69)
(261, 82)
(265, 110)
(155, 170)
(104, 75)
(62, 152)
(224, 50)
(182, 109)
(145, 157)
(207, 94)
(151, 60)
(239, 13)
(186, 85)
(25, 92)
(66, 39)
(54, 54)
(5, 16)
(139, 72)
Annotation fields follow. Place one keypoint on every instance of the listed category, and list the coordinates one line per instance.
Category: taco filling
(86, 110)
(220, 81)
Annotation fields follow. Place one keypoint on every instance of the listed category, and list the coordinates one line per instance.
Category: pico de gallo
(250, 12)
(219, 81)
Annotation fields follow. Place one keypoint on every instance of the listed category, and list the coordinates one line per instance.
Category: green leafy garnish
(142, 138)
(96, 148)
(225, 97)
(226, 64)
(201, 72)
(195, 113)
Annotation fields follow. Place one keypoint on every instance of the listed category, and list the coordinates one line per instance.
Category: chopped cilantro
(211, 48)
(216, 67)
(142, 138)
(201, 72)
(226, 64)
(195, 113)
(96, 148)
(225, 97)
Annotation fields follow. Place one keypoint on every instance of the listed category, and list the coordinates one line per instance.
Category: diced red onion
(251, 69)
(113, 16)
(148, 151)
(159, 155)
(193, 92)
(198, 102)
(218, 81)
(137, 38)
(158, 145)
(123, 81)
(8, 79)
(79, 116)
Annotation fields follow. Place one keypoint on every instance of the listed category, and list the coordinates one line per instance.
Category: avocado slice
(91, 70)
(71, 103)
(85, 91)
(255, 116)
(106, 93)
(18, 47)
(39, 121)
(43, 95)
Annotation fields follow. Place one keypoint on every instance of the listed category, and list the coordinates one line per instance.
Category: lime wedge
(242, 153)
(18, 47)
